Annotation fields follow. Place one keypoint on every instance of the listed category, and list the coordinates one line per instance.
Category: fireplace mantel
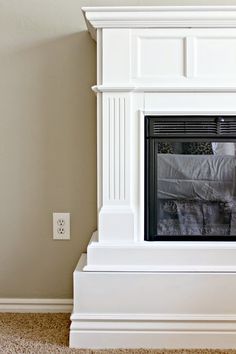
(153, 61)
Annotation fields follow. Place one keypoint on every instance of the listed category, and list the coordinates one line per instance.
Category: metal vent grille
(192, 126)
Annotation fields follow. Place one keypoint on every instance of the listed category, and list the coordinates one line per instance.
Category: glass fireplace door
(190, 185)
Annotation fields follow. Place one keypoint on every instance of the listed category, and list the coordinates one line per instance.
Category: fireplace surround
(156, 62)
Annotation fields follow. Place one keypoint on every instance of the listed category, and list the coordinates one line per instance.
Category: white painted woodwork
(191, 102)
(162, 256)
(116, 54)
(153, 60)
(35, 305)
(159, 17)
(158, 55)
(189, 55)
(116, 219)
(221, 48)
(153, 309)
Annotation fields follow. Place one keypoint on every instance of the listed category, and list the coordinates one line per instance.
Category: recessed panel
(160, 57)
(216, 57)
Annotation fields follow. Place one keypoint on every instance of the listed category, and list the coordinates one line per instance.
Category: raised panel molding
(159, 57)
(216, 57)
(183, 56)
(180, 57)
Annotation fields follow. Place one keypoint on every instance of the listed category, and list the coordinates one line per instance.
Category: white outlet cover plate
(61, 230)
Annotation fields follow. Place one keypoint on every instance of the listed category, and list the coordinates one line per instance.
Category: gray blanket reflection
(196, 195)
(185, 218)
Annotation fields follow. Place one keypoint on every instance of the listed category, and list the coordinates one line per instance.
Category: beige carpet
(48, 333)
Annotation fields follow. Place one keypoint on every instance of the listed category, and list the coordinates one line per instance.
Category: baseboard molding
(35, 305)
(153, 331)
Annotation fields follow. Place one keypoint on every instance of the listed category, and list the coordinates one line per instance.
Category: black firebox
(190, 178)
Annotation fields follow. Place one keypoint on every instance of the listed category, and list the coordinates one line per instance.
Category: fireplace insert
(190, 186)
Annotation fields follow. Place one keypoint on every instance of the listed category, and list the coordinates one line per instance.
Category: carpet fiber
(48, 333)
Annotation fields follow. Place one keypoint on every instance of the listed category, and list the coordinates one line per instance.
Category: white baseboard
(153, 331)
(35, 305)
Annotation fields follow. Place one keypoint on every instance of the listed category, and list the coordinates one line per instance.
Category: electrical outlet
(61, 226)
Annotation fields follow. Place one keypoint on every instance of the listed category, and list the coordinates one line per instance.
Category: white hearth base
(153, 309)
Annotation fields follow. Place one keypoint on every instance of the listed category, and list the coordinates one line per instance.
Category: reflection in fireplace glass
(195, 188)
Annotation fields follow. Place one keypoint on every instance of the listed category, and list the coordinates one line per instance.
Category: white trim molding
(154, 331)
(159, 17)
(165, 88)
(35, 305)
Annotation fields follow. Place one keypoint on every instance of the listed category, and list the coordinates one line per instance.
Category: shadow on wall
(48, 158)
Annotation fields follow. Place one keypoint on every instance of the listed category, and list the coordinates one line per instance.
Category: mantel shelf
(159, 17)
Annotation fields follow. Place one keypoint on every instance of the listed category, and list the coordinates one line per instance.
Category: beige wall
(47, 141)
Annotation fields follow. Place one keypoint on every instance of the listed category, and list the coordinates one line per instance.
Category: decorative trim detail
(116, 150)
(153, 331)
(140, 334)
(35, 305)
(165, 317)
(159, 17)
(154, 322)
(164, 88)
(162, 257)
(190, 49)
(160, 269)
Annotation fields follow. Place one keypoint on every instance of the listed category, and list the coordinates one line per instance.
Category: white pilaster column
(116, 217)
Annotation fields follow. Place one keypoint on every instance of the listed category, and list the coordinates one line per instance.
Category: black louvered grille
(228, 127)
(192, 126)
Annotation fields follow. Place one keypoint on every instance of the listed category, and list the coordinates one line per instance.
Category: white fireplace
(128, 292)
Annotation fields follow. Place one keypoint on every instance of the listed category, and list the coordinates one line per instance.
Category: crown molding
(159, 17)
